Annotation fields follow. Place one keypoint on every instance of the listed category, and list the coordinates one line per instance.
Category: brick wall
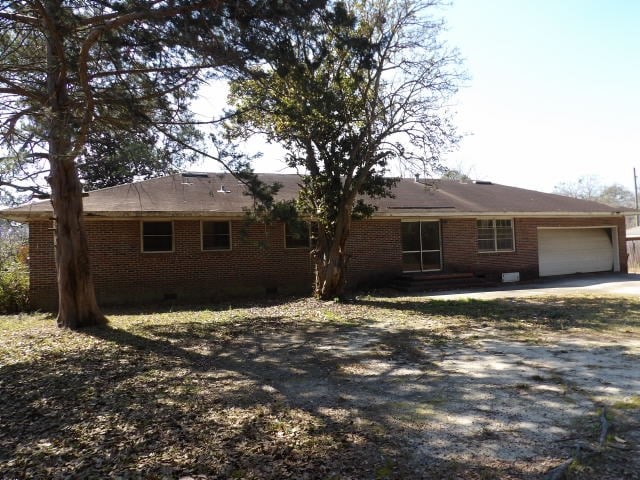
(257, 263)
(123, 274)
(42, 268)
(460, 248)
(376, 254)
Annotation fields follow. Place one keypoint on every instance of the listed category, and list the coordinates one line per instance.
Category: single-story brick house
(179, 237)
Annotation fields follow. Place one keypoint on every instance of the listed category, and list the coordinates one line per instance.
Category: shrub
(14, 272)
(14, 287)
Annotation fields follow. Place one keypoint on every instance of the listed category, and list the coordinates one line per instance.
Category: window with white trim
(495, 235)
(216, 235)
(297, 236)
(157, 237)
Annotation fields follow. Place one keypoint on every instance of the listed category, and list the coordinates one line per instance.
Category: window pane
(430, 236)
(156, 228)
(485, 235)
(157, 236)
(495, 235)
(410, 236)
(411, 261)
(505, 244)
(484, 245)
(157, 244)
(215, 228)
(431, 260)
(216, 236)
(485, 232)
(215, 242)
(208, 228)
(504, 235)
(296, 236)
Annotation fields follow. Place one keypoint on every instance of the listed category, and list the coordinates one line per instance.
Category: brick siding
(460, 245)
(258, 263)
(43, 290)
(376, 255)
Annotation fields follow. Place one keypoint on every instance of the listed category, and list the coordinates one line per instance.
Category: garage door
(562, 252)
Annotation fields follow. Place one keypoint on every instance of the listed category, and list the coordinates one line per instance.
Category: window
(421, 246)
(297, 235)
(157, 236)
(216, 236)
(495, 235)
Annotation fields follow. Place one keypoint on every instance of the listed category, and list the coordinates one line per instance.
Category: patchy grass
(629, 403)
(248, 391)
(583, 313)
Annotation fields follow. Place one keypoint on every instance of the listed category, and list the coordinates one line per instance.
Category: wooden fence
(633, 252)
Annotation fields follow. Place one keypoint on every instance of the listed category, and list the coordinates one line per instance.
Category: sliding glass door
(421, 246)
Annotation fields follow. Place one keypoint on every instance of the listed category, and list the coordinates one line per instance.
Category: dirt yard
(384, 387)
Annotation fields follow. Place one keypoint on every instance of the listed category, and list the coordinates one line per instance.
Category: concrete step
(420, 282)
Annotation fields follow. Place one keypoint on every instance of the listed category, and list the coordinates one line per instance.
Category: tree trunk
(331, 259)
(77, 305)
(331, 276)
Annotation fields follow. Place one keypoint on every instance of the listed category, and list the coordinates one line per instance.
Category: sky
(554, 90)
(552, 94)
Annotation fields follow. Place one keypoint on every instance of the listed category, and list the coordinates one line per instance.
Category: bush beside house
(14, 276)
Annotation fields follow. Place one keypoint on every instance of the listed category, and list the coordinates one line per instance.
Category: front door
(421, 246)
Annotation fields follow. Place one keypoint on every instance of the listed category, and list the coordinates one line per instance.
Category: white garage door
(562, 252)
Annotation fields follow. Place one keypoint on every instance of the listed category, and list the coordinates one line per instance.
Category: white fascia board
(428, 213)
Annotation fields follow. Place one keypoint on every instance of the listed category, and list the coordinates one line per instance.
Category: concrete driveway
(597, 284)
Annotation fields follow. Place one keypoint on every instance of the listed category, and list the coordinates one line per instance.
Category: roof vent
(223, 189)
(417, 177)
(482, 182)
(194, 175)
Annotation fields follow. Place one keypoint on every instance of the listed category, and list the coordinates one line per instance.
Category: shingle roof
(215, 194)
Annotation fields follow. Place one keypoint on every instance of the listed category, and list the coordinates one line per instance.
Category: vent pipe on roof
(417, 176)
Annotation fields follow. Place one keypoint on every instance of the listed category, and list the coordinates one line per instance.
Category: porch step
(420, 282)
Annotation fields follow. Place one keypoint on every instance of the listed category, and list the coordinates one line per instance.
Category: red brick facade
(259, 263)
(460, 248)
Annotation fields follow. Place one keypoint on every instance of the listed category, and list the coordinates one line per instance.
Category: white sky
(553, 93)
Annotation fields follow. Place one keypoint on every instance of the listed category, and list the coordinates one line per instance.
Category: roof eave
(441, 214)
(26, 217)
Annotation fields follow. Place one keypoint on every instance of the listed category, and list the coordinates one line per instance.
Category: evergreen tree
(76, 74)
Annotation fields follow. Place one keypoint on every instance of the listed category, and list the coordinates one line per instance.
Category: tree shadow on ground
(259, 397)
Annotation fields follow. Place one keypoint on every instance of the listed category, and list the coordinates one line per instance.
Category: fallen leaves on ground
(195, 393)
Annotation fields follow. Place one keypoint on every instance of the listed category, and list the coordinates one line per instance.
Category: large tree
(362, 87)
(75, 71)
(111, 159)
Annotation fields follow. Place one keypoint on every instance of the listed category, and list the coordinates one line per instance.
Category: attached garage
(577, 250)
